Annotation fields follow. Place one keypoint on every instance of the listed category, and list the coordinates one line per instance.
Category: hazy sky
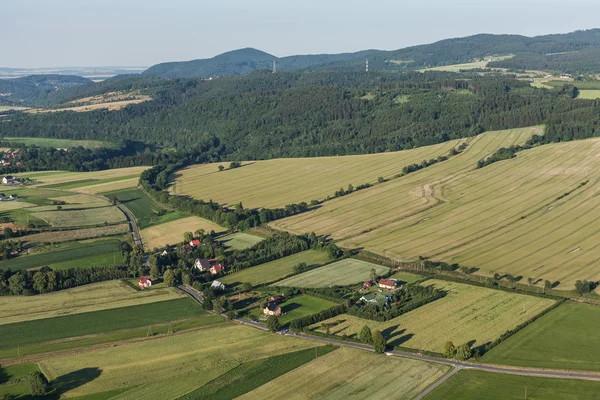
(51, 33)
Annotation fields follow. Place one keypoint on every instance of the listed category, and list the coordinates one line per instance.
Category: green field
(496, 218)
(208, 353)
(89, 182)
(342, 273)
(58, 143)
(275, 183)
(12, 379)
(467, 314)
(301, 306)
(56, 177)
(277, 269)
(86, 298)
(479, 385)
(240, 240)
(565, 338)
(81, 217)
(406, 277)
(78, 255)
(251, 375)
(96, 322)
(589, 94)
(145, 210)
(352, 374)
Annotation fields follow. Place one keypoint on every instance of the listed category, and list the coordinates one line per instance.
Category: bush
(38, 384)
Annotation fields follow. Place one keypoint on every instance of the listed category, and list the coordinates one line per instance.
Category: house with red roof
(271, 308)
(145, 282)
(217, 268)
(389, 284)
(195, 243)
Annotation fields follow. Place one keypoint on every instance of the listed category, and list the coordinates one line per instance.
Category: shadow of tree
(4, 377)
(74, 379)
(290, 307)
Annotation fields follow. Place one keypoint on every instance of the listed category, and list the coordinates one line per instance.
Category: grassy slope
(275, 183)
(273, 270)
(43, 330)
(563, 338)
(171, 357)
(466, 314)
(352, 374)
(479, 385)
(342, 273)
(87, 298)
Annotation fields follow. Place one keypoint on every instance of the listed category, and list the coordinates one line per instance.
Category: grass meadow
(589, 94)
(81, 217)
(273, 270)
(467, 314)
(212, 351)
(58, 143)
(172, 232)
(141, 206)
(467, 66)
(96, 322)
(301, 306)
(341, 273)
(82, 299)
(479, 385)
(564, 338)
(352, 374)
(275, 183)
(239, 240)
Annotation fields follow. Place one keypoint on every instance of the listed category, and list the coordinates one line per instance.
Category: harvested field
(172, 232)
(76, 218)
(273, 270)
(275, 183)
(467, 66)
(467, 314)
(109, 105)
(55, 177)
(172, 357)
(58, 143)
(77, 234)
(87, 298)
(345, 272)
(110, 186)
(78, 199)
(350, 374)
(565, 338)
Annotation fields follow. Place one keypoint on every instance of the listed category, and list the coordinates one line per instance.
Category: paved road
(192, 292)
(132, 224)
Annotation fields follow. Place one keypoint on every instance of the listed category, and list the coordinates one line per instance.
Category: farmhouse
(202, 264)
(271, 308)
(368, 284)
(145, 282)
(195, 243)
(212, 265)
(217, 285)
(8, 179)
(376, 298)
(389, 284)
(217, 268)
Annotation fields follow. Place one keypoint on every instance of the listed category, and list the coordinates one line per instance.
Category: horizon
(137, 37)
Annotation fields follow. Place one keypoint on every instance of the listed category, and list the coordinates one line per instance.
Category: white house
(217, 285)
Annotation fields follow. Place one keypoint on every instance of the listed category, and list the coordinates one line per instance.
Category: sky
(59, 33)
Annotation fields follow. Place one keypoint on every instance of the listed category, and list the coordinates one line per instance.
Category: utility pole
(525, 392)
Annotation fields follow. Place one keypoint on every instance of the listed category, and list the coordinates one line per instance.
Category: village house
(145, 282)
(367, 284)
(217, 268)
(202, 264)
(271, 308)
(216, 285)
(376, 298)
(389, 284)
(8, 179)
(195, 243)
(212, 265)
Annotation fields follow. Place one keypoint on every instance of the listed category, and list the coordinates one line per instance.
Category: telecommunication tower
(367, 66)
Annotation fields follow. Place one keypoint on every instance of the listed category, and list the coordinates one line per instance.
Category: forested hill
(264, 115)
(530, 52)
(37, 88)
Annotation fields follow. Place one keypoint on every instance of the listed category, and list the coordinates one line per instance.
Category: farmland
(96, 322)
(275, 183)
(55, 177)
(350, 374)
(589, 94)
(87, 298)
(495, 218)
(273, 270)
(467, 66)
(479, 385)
(172, 232)
(100, 253)
(301, 306)
(79, 218)
(341, 273)
(466, 314)
(239, 240)
(77, 234)
(58, 143)
(563, 338)
(146, 211)
(173, 357)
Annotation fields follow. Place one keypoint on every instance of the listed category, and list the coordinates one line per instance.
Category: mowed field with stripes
(275, 183)
(535, 215)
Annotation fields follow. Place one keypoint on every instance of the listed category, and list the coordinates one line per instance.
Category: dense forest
(583, 61)
(264, 115)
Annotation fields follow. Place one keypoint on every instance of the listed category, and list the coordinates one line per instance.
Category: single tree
(38, 384)
(246, 286)
(154, 272)
(221, 168)
(449, 350)
(379, 342)
(272, 323)
(380, 179)
(463, 352)
(169, 278)
(188, 236)
(39, 282)
(365, 335)
(530, 281)
(547, 285)
(373, 274)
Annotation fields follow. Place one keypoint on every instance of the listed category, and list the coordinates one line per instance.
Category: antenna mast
(274, 67)
(367, 66)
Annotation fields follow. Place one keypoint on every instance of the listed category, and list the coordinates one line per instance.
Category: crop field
(145, 210)
(87, 185)
(479, 385)
(466, 66)
(55, 177)
(240, 240)
(76, 234)
(109, 105)
(99, 253)
(301, 306)
(172, 357)
(589, 94)
(341, 273)
(110, 185)
(352, 374)
(172, 232)
(58, 143)
(87, 217)
(275, 183)
(273, 270)
(564, 338)
(496, 218)
(466, 314)
(96, 322)
(82, 299)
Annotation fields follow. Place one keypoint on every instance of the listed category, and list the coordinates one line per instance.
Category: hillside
(444, 52)
(37, 88)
